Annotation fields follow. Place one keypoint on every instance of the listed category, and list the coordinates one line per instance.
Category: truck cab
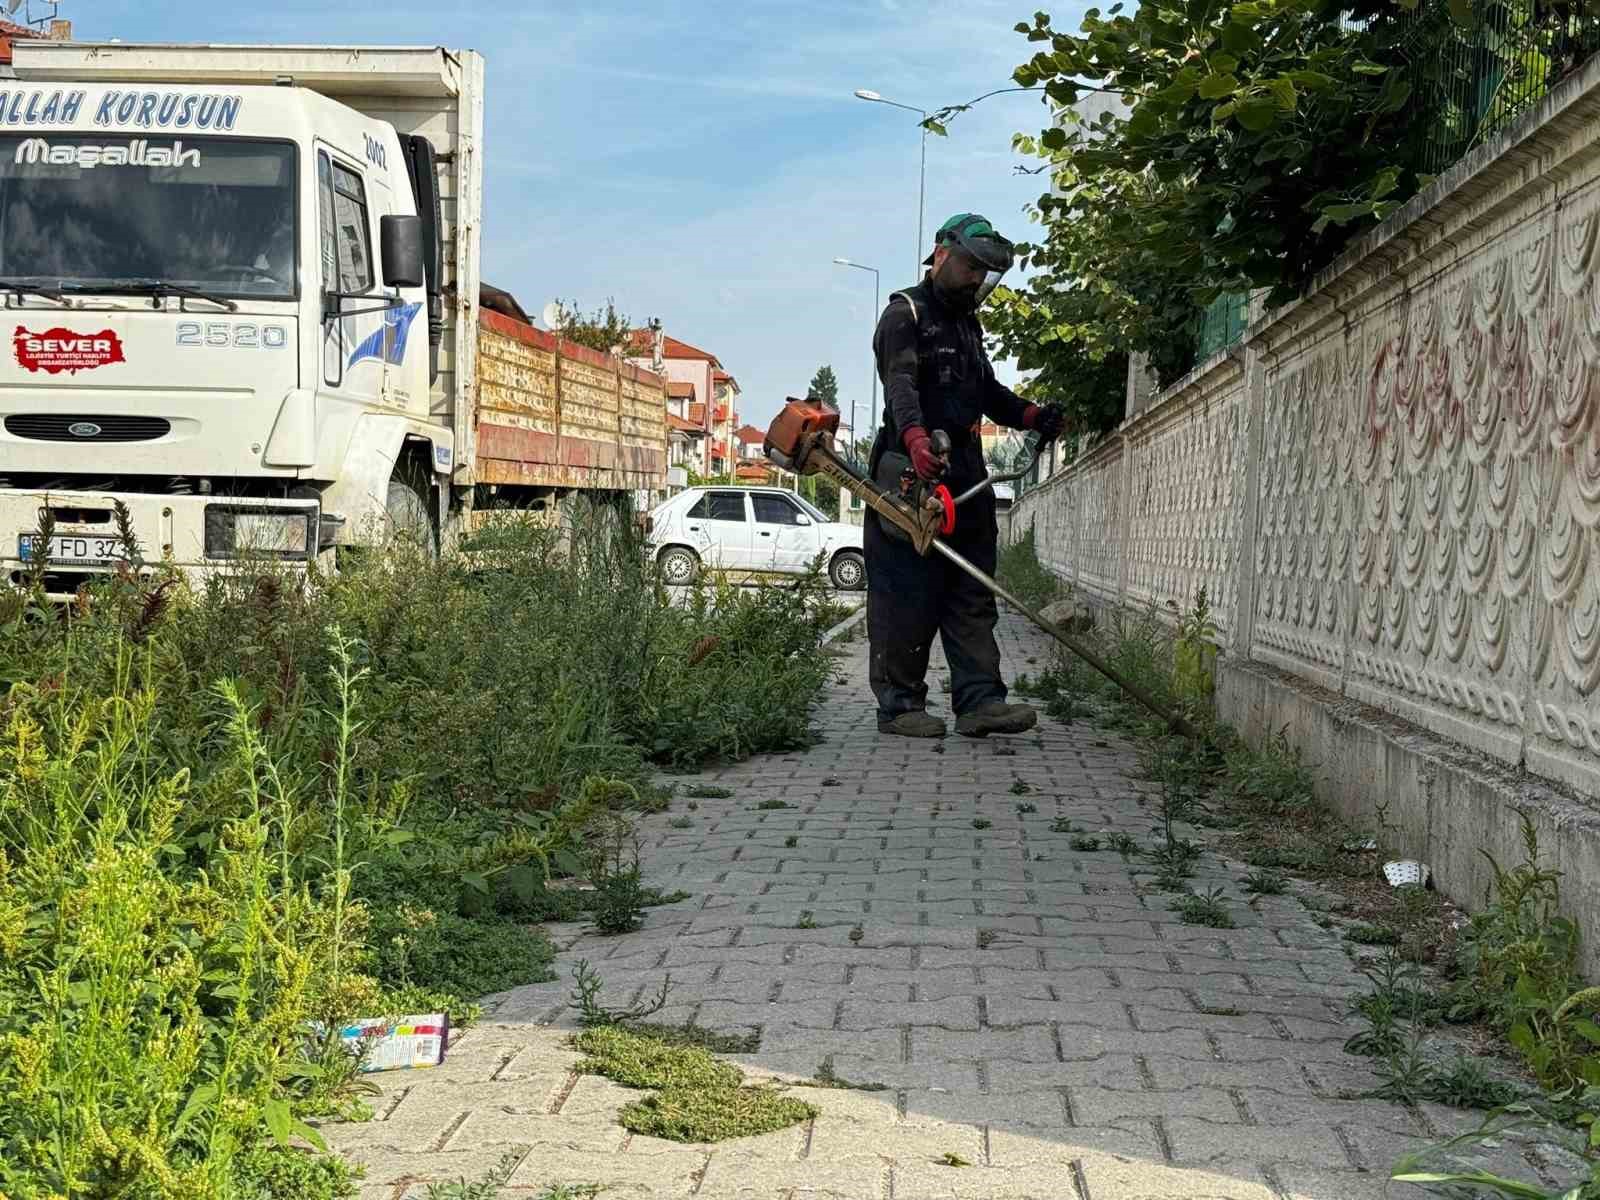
(225, 292)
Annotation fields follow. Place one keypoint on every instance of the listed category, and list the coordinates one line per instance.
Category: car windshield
(213, 214)
(815, 513)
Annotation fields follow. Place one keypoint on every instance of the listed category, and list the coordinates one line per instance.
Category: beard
(963, 297)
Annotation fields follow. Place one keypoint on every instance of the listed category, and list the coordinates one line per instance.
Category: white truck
(243, 286)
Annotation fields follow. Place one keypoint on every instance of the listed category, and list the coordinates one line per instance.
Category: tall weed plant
(235, 815)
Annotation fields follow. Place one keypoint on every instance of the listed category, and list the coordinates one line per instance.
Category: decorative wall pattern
(1308, 513)
(1425, 498)
(1183, 520)
(1564, 716)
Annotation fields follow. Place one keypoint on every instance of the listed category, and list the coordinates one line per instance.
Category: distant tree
(824, 388)
(604, 329)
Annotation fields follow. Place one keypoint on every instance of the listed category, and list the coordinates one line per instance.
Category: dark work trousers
(910, 598)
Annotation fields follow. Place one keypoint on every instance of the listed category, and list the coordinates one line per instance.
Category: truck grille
(71, 427)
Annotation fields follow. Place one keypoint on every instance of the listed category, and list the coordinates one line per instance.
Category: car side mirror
(400, 241)
(802, 519)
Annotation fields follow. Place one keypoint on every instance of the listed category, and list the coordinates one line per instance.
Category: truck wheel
(848, 571)
(678, 565)
(409, 521)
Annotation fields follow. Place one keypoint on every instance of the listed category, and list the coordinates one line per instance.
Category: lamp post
(922, 176)
(872, 414)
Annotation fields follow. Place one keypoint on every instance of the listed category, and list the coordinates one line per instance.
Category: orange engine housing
(796, 421)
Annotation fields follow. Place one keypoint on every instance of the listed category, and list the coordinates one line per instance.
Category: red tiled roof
(749, 433)
(697, 415)
(675, 388)
(753, 470)
(671, 347)
(674, 421)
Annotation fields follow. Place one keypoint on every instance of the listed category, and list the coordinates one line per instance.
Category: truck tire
(678, 565)
(848, 571)
(406, 508)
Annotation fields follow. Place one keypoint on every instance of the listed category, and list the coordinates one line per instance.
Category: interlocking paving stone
(1047, 1019)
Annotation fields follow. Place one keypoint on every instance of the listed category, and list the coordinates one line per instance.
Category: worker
(936, 376)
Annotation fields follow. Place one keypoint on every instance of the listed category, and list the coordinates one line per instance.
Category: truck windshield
(215, 214)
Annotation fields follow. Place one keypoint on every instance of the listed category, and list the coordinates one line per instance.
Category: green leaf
(1223, 64)
(1214, 87)
(1053, 138)
(1369, 68)
(1461, 13)
(1257, 115)
(280, 1122)
(1312, 81)
(476, 881)
(1587, 1029)
(1282, 89)
(198, 1099)
(310, 1134)
(523, 882)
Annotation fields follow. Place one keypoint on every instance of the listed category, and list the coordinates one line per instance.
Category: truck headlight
(241, 531)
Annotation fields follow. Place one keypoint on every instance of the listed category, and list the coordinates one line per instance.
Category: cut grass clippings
(693, 1097)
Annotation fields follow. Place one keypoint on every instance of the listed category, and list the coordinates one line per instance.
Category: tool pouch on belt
(890, 467)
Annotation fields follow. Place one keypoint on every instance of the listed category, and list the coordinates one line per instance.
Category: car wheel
(678, 565)
(849, 571)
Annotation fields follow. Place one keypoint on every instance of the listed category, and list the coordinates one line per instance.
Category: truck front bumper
(196, 534)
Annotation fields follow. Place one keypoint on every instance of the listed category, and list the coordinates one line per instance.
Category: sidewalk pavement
(1027, 1007)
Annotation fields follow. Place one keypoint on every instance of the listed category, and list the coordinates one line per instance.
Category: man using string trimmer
(938, 387)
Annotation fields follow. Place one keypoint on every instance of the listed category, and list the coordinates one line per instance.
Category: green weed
(1264, 883)
(1366, 934)
(827, 1078)
(706, 791)
(1207, 909)
(1020, 570)
(694, 1098)
(1084, 842)
(981, 822)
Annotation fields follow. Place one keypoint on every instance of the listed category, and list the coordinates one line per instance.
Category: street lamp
(922, 178)
(872, 414)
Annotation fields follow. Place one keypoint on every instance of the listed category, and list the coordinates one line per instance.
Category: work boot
(996, 717)
(914, 724)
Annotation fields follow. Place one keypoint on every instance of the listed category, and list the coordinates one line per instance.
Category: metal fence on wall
(1474, 80)
(1470, 82)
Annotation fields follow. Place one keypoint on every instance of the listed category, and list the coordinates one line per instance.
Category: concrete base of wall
(1444, 802)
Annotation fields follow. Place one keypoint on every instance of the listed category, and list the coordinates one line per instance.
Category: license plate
(71, 548)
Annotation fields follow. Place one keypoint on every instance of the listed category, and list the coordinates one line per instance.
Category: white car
(752, 529)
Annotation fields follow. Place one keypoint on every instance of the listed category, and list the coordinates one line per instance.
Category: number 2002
(229, 335)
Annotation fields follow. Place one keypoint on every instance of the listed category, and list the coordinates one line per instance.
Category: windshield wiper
(21, 288)
(157, 288)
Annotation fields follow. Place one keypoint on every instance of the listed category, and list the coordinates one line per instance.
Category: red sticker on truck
(57, 350)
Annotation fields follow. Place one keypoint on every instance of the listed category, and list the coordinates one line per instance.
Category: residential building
(708, 394)
(56, 30)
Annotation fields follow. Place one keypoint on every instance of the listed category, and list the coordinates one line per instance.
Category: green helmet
(973, 234)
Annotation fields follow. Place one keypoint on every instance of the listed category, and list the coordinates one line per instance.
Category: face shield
(980, 262)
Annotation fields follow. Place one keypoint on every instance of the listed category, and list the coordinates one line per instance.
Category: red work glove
(924, 461)
(1048, 421)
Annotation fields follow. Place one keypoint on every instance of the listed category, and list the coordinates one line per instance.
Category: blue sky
(702, 163)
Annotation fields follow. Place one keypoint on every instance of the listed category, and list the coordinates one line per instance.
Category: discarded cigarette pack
(409, 1043)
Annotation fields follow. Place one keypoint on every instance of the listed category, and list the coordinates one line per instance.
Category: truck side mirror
(400, 239)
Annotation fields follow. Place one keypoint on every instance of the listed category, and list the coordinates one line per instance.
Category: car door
(718, 525)
(785, 538)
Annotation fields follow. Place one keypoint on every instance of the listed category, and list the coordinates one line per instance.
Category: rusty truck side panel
(551, 413)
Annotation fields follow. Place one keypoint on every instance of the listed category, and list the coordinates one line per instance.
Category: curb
(844, 626)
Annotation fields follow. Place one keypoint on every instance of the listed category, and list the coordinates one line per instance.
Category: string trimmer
(800, 439)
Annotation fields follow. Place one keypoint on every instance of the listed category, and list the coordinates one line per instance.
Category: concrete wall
(1391, 492)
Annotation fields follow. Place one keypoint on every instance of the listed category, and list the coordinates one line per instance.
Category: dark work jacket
(935, 374)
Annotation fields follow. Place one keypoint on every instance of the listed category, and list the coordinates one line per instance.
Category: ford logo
(84, 429)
